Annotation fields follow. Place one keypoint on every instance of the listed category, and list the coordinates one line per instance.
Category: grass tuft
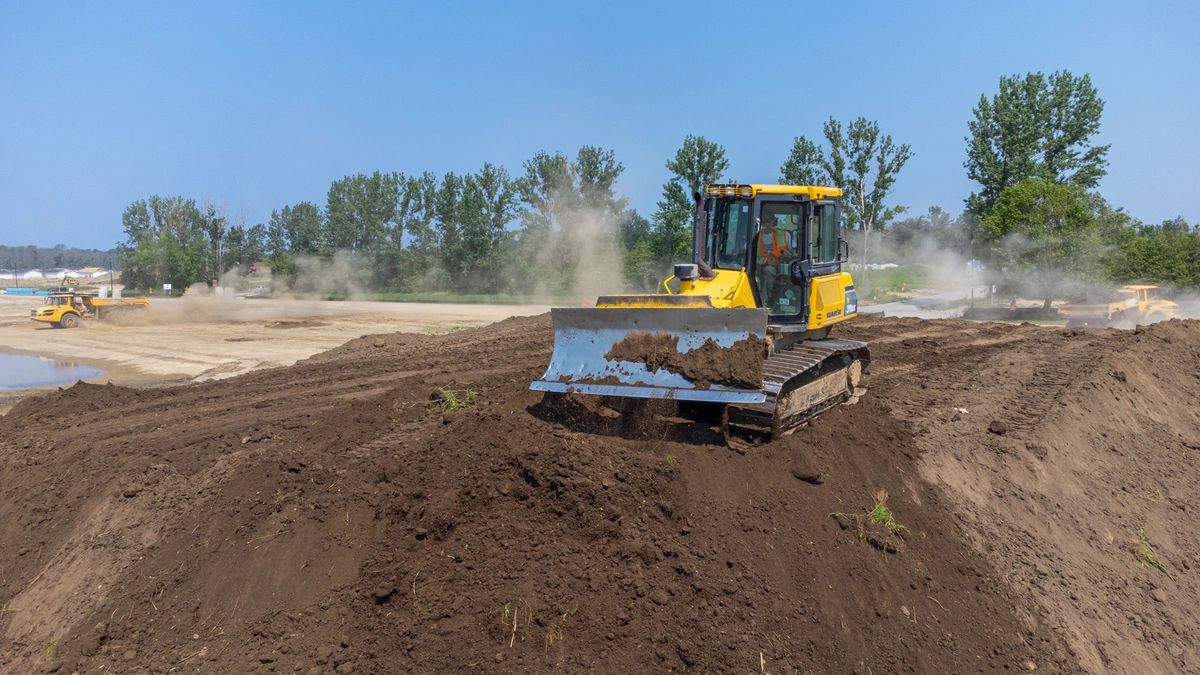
(449, 400)
(883, 515)
(880, 514)
(1147, 556)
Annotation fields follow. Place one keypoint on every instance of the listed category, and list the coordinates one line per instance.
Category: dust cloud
(202, 304)
(574, 255)
(233, 300)
(589, 242)
(340, 276)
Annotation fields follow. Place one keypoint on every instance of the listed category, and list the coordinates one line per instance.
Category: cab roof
(750, 191)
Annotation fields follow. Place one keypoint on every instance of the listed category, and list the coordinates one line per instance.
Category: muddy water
(23, 372)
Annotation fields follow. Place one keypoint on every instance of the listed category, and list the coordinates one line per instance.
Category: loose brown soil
(739, 365)
(298, 323)
(332, 517)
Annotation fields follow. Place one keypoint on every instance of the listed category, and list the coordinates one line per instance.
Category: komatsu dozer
(744, 326)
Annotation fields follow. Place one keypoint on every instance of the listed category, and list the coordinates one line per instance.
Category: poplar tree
(862, 161)
(1036, 126)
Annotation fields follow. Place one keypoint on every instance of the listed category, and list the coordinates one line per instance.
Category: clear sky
(263, 104)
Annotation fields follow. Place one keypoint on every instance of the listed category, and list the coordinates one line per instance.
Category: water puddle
(23, 372)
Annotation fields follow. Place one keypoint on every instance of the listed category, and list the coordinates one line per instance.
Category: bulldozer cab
(781, 239)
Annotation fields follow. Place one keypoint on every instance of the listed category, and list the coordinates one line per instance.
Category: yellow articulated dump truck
(66, 310)
(1123, 308)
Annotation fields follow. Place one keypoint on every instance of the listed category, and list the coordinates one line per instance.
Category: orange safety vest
(778, 244)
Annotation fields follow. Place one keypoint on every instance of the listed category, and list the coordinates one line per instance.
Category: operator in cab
(774, 244)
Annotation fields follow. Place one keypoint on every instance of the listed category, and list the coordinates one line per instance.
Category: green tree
(296, 229)
(361, 211)
(1168, 253)
(697, 163)
(166, 242)
(26, 257)
(215, 226)
(293, 231)
(633, 229)
(410, 257)
(807, 164)
(489, 206)
(1044, 234)
(548, 191)
(1035, 127)
(244, 246)
(448, 210)
(912, 239)
(572, 214)
(862, 161)
(417, 214)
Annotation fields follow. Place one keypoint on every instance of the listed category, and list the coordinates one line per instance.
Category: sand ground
(195, 339)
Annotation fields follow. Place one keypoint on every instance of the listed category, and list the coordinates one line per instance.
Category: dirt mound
(1087, 499)
(739, 365)
(297, 323)
(405, 504)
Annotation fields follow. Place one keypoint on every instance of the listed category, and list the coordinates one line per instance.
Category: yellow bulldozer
(745, 325)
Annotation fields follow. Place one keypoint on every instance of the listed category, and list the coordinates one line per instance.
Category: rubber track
(788, 364)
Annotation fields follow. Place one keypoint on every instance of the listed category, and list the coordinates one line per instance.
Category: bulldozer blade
(583, 337)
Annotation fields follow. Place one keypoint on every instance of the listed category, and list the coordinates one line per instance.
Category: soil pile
(1073, 458)
(739, 365)
(404, 504)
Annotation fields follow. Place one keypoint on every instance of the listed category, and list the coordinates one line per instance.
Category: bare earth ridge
(332, 516)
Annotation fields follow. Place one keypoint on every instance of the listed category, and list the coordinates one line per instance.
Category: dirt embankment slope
(1093, 480)
(328, 518)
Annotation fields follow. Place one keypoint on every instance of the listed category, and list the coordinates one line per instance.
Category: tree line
(42, 258)
(1035, 219)
(486, 231)
(548, 230)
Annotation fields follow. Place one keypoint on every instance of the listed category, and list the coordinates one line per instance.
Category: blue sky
(263, 104)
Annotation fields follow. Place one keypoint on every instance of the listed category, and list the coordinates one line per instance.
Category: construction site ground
(210, 337)
(403, 503)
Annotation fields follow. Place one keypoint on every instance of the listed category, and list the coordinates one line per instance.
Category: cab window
(824, 233)
(778, 245)
(785, 219)
(731, 219)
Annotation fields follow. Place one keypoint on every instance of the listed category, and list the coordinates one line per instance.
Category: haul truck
(1136, 304)
(65, 310)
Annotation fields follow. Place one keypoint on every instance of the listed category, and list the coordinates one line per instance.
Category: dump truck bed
(119, 302)
(1100, 311)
